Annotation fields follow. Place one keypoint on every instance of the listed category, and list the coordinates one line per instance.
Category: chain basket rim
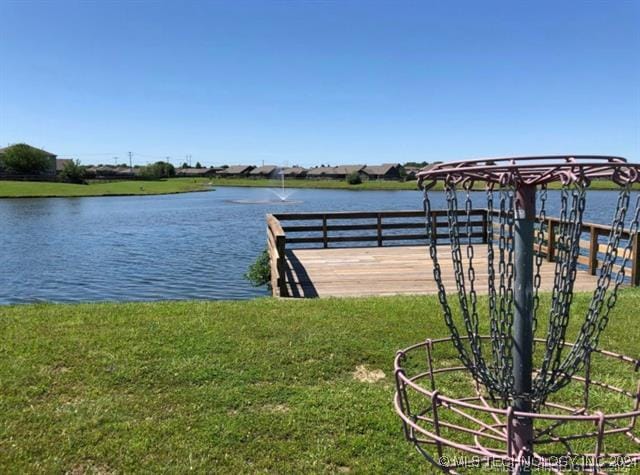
(531, 170)
(411, 422)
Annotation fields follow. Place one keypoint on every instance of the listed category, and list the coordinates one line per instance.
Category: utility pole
(130, 162)
(115, 161)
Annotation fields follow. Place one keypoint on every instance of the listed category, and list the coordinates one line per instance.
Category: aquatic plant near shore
(259, 273)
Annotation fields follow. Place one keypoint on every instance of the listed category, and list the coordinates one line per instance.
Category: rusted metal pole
(525, 215)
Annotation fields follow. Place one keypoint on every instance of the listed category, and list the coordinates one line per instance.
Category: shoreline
(30, 189)
(172, 186)
(110, 195)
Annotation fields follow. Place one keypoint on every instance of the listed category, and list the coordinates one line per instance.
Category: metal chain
(506, 270)
(471, 272)
(537, 279)
(596, 319)
(491, 287)
(479, 370)
(568, 247)
(437, 275)
(555, 371)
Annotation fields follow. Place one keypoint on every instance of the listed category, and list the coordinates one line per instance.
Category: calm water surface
(187, 246)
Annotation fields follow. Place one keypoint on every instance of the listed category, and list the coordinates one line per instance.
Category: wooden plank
(406, 270)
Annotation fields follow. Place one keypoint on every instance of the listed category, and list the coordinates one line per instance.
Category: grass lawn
(33, 189)
(227, 387)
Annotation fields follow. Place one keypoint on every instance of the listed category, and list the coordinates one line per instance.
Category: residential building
(336, 173)
(386, 171)
(61, 162)
(265, 171)
(236, 171)
(198, 172)
(294, 172)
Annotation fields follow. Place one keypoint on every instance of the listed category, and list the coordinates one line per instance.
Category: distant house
(265, 171)
(109, 171)
(51, 171)
(411, 172)
(61, 162)
(336, 173)
(236, 171)
(386, 171)
(320, 172)
(198, 172)
(294, 172)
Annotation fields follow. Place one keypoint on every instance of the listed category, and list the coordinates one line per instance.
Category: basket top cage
(531, 171)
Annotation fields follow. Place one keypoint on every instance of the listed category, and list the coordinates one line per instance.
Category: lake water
(186, 246)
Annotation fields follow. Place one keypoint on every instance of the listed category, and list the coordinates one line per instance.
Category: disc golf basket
(516, 386)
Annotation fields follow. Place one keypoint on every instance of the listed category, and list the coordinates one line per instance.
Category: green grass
(33, 189)
(27, 189)
(226, 387)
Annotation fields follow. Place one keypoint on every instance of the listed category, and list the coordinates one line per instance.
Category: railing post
(593, 250)
(551, 241)
(325, 240)
(281, 264)
(379, 230)
(275, 288)
(635, 261)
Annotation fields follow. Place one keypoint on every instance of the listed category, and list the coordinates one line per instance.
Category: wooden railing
(593, 249)
(401, 227)
(276, 242)
(379, 227)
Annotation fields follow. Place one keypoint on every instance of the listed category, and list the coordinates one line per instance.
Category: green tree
(25, 159)
(158, 170)
(198, 165)
(73, 172)
(416, 164)
(184, 165)
(354, 178)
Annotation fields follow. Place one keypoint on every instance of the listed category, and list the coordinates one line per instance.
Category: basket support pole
(523, 242)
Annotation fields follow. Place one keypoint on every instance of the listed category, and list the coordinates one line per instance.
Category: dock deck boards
(368, 271)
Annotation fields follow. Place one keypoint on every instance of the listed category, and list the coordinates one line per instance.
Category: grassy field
(225, 387)
(26, 189)
(34, 189)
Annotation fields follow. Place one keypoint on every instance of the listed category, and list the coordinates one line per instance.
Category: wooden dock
(399, 270)
(306, 262)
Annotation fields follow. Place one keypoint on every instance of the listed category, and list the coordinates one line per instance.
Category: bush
(354, 178)
(259, 273)
(25, 159)
(158, 170)
(73, 172)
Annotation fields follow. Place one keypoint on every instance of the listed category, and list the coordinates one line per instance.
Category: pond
(185, 246)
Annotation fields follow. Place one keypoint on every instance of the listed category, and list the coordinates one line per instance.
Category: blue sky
(295, 82)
